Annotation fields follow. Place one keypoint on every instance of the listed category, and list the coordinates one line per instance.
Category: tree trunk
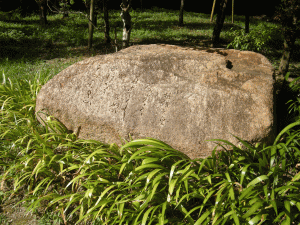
(290, 33)
(141, 5)
(91, 27)
(43, 11)
(232, 12)
(288, 46)
(219, 23)
(65, 9)
(106, 23)
(247, 22)
(181, 13)
(247, 16)
(126, 18)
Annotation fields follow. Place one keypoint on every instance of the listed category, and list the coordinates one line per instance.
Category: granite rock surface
(181, 96)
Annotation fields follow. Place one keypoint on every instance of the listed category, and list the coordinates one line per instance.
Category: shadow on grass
(34, 43)
(65, 38)
(188, 41)
(160, 25)
(62, 38)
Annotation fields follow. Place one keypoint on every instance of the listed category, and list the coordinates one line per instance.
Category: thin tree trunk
(126, 18)
(219, 23)
(91, 27)
(247, 22)
(288, 46)
(181, 13)
(65, 9)
(290, 34)
(106, 22)
(247, 16)
(232, 12)
(43, 11)
(141, 5)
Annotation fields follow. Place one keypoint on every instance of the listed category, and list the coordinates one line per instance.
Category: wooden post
(212, 11)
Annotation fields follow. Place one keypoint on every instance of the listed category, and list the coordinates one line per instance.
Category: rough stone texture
(181, 96)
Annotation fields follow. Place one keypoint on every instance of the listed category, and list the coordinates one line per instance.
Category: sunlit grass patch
(144, 181)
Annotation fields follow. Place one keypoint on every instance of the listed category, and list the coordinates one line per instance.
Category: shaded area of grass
(24, 40)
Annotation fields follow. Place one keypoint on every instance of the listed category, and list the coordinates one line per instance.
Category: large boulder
(181, 96)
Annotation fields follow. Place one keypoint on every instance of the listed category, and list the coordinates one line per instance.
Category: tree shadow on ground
(65, 38)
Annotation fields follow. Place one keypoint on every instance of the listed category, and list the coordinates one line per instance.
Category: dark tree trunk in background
(91, 27)
(106, 23)
(141, 4)
(288, 45)
(181, 13)
(126, 18)
(232, 12)
(288, 14)
(219, 23)
(65, 9)
(43, 11)
(247, 16)
(247, 22)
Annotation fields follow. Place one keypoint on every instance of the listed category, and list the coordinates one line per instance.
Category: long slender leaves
(144, 181)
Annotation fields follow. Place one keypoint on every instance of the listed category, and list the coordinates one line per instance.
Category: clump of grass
(4, 220)
(144, 181)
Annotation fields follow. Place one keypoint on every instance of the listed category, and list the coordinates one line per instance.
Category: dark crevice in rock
(229, 64)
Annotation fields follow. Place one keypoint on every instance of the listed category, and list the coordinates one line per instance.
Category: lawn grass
(143, 181)
(25, 44)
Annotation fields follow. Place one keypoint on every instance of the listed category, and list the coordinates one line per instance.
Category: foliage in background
(261, 38)
(11, 15)
(288, 14)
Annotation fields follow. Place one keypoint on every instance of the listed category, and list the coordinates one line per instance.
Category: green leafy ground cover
(143, 181)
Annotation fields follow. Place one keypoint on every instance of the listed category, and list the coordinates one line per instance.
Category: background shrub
(261, 38)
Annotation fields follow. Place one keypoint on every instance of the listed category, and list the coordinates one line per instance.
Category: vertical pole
(212, 11)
